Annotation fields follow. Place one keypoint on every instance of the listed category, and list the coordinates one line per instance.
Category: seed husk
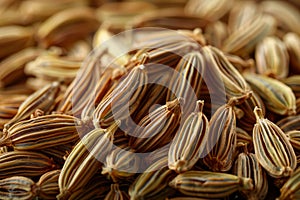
(206, 184)
(189, 143)
(272, 147)
(222, 127)
(42, 99)
(278, 97)
(24, 163)
(247, 166)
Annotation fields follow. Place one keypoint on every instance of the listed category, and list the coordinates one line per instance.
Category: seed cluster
(197, 99)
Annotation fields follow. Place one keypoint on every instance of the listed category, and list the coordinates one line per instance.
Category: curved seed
(189, 143)
(294, 137)
(247, 166)
(278, 97)
(292, 43)
(289, 123)
(116, 194)
(47, 185)
(291, 188)
(294, 83)
(272, 147)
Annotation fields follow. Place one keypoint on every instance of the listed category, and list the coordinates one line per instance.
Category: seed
(116, 194)
(12, 68)
(247, 166)
(291, 188)
(189, 143)
(127, 95)
(289, 123)
(14, 39)
(292, 43)
(47, 185)
(53, 68)
(9, 105)
(294, 83)
(64, 27)
(42, 99)
(216, 33)
(277, 96)
(188, 80)
(206, 9)
(243, 41)
(24, 163)
(222, 127)
(272, 147)
(42, 132)
(248, 120)
(272, 58)
(84, 161)
(121, 164)
(17, 187)
(219, 66)
(158, 128)
(243, 139)
(205, 184)
(288, 19)
(153, 183)
(294, 138)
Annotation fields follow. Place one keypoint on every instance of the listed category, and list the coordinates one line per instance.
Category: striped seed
(47, 185)
(289, 123)
(294, 138)
(116, 193)
(291, 189)
(189, 143)
(272, 147)
(292, 43)
(206, 184)
(278, 97)
(294, 83)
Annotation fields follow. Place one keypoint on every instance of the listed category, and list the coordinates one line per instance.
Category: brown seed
(17, 187)
(294, 138)
(222, 127)
(247, 166)
(64, 27)
(272, 147)
(291, 189)
(289, 123)
(206, 184)
(116, 193)
(292, 43)
(189, 143)
(24, 163)
(47, 185)
(294, 83)
(158, 128)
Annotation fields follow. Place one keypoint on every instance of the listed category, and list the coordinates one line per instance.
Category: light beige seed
(189, 143)
(14, 39)
(292, 43)
(272, 58)
(272, 147)
(216, 33)
(65, 27)
(277, 96)
(206, 184)
(12, 68)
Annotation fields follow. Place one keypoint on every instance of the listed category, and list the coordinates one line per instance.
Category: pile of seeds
(206, 108)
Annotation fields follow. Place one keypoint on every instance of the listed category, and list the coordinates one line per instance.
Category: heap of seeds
(223, 123)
